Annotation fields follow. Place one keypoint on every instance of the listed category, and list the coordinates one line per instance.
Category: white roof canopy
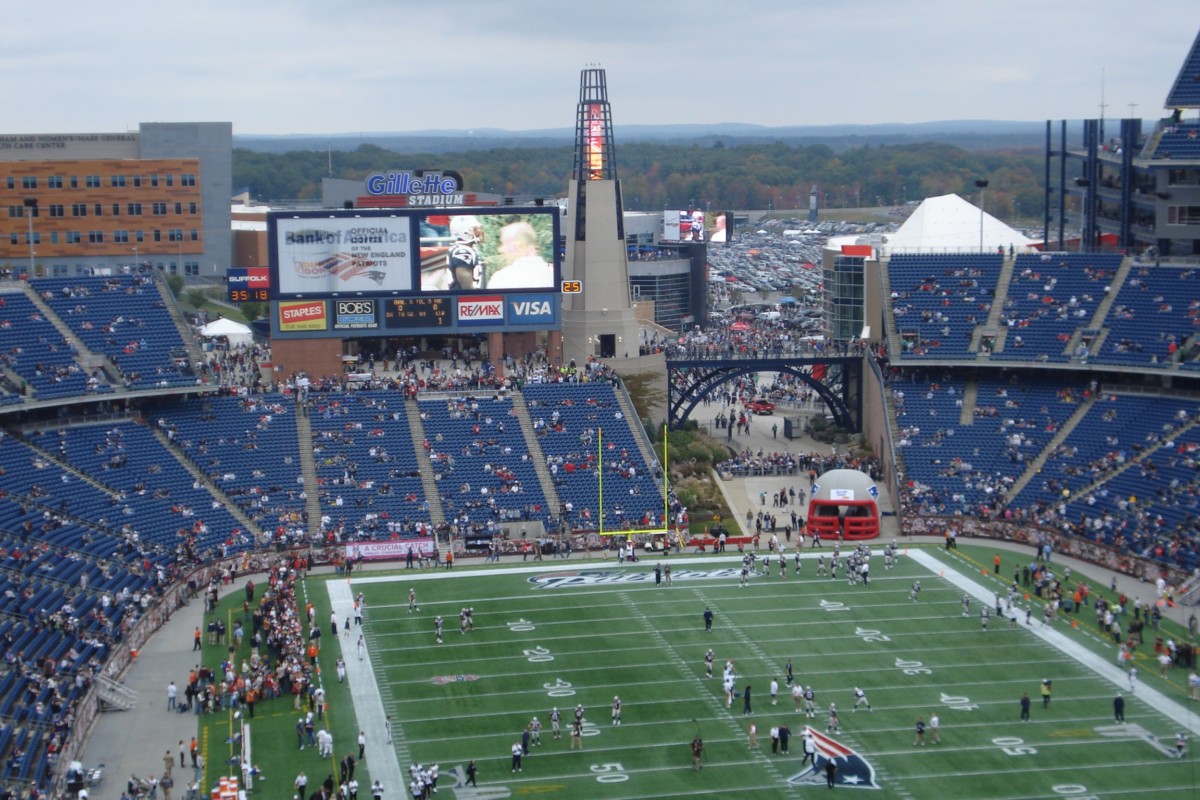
(949, 224)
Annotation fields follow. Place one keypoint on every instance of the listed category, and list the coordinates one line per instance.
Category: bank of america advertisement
(336, 255)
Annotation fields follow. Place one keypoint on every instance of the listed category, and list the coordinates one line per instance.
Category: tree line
(657, 175)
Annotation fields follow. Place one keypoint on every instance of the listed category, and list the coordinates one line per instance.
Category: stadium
(189, 538)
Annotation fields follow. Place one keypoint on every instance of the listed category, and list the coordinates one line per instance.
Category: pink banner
(393, 550)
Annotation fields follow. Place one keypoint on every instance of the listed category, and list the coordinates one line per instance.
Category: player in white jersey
(860, 698)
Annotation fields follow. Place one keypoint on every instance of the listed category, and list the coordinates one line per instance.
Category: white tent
(235, 332)
(949, 224)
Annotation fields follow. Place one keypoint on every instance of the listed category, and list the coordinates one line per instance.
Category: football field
(574, 633)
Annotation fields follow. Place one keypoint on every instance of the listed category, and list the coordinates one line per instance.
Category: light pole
(982, 185)
(31, 205)
(1085, 225)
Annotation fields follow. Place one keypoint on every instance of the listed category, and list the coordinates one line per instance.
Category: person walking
(1046, 693)
(1025, 702)
(1119, 709)
(697, 753)
(830, 772)
(919, 738)
(935, 725)
(301, 784)
(752, 740)
(708, 619)
(472, 772)
(746, 709)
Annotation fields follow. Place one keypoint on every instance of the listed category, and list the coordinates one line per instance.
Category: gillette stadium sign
(414, 182)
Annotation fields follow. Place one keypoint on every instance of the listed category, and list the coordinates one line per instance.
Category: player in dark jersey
(462, 259)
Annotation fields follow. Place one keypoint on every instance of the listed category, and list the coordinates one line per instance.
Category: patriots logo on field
(442, 680)
(852, 769)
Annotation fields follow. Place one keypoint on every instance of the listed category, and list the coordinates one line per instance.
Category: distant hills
(967, 134)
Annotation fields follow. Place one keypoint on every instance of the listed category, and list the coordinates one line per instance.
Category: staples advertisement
(307, 315)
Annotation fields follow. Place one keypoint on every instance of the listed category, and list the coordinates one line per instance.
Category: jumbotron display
(359, 272)
(355, 253)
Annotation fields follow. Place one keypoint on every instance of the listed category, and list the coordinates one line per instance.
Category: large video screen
(331, 254)
(342, 255)
(466, 252)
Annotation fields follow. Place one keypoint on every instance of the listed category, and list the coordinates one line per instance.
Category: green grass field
(580, 632)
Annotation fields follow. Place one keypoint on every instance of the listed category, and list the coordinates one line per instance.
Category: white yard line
(369, 704)
(1100, 665)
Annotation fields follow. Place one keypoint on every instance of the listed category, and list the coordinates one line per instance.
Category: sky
(350, 66)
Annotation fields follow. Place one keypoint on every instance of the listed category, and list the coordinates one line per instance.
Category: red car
(762, 407)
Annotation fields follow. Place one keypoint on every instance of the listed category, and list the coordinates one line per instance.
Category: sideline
(382, 760)
(1180, 715)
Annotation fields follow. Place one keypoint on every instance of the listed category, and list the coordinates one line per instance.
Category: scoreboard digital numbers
(417, 312)
(249, 295)
(248, 285)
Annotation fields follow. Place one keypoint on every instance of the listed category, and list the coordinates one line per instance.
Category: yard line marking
(694, 678)
(1183, 718)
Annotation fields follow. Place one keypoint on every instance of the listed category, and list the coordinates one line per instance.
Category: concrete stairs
(63, 465)
(185, 330)
(1033, 468)
(114, 696)
(635, 424)
(535, 452)
(992, 325)
(225, 500)
(308, 469)
(433, 494)
(1101, 314)
(1142, 456)
(85, 357)
(969, 400)
(893, 335)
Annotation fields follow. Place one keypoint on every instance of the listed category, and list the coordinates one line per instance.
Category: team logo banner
(853, 770)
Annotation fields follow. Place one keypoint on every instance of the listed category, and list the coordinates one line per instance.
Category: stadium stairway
(992, 326)
(970, 397)
(233, 508)
(635, 424)
(15, 379)
(59, 462)
(1136, 461)
(437, 512)
(83, 356)
(893, 332)
(1097, 323)
(308, 469)
(535, 452)
(1033, 468)
(114, 696)
(185, 331)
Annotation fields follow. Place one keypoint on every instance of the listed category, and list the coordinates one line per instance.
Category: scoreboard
(248, 285)
(412, 271)
(418, 312)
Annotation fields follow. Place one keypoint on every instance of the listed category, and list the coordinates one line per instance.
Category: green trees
(655, 175)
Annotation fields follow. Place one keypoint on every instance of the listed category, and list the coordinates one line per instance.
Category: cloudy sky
(301, 66)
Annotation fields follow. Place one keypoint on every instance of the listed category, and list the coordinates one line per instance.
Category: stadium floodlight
(981, 184)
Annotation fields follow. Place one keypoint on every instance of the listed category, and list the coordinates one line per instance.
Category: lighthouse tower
(599, 320)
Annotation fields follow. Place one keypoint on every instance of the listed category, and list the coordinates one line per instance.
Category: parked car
(760, 407)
